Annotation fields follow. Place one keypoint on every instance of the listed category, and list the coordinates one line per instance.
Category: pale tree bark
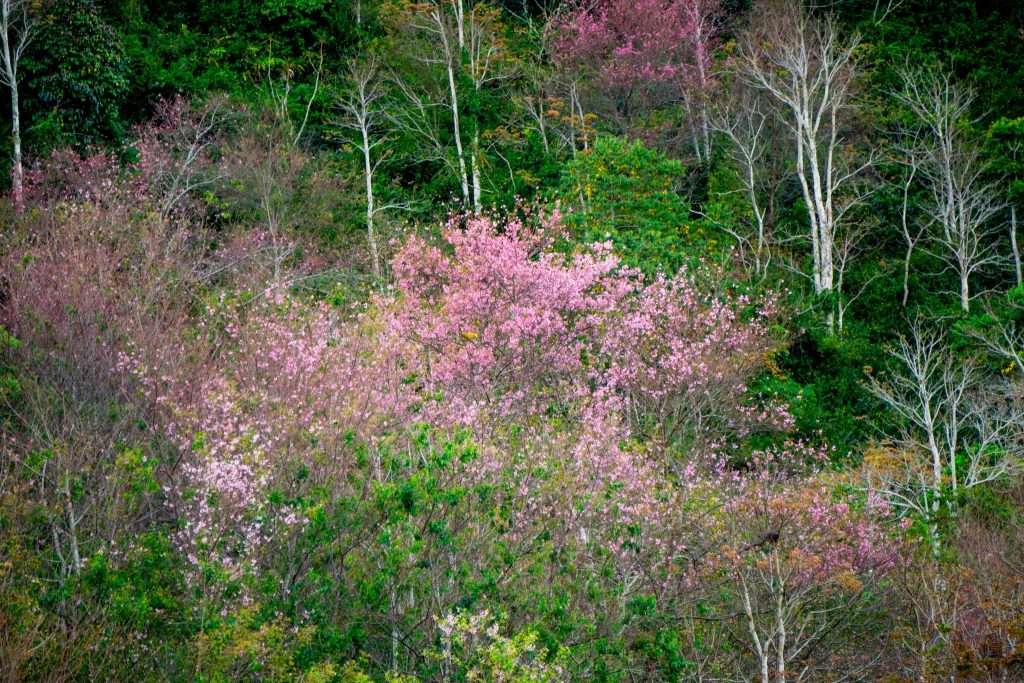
(807, 67)
(911, 237)
(486, 67)
(17, 27)
(441, 42)
(361, 106)
(1013, 245)
(962, 202)
(744, 122)
(450, 62)
(850, 245)
(957, 433)
(700, 17)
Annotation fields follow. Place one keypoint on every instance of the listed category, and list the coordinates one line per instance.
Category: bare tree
(178, 150)
(437, 37)
(17, 27)
(747, 124)
(850, 245)
(360, 105)
(911, 229)
(484, 50)
(701, 16)
(954, 432)
(1015, 249)
(1002, 336)
(454, 42)
(807, 67)
(273, 168)
(962, 201)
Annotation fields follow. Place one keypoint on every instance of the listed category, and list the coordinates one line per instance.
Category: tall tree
(962, 201)
(1005, 138)
(361, 108)
(17, 26)
(806, 65)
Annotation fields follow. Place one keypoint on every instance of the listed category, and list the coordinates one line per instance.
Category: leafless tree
(1014, 246)
(963, 202)
(850, 245)
(955, 432)
(271, 164)
(361, 108)
(178, 151)
(912, 229)
(807, 67)
(453, 40)
(435, 35)
(486, 66)
(17, 28)
(751, 131)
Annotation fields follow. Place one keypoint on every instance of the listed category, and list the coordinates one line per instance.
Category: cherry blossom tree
(804, 566)
(643, 57)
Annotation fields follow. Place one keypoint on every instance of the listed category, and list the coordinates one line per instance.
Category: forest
(511, 341)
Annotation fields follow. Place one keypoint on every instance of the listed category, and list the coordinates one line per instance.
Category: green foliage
(76, 78)
(625, 192)
(1004, 143)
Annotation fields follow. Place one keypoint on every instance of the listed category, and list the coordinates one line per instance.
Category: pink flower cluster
(635, 45)
(285, 381)
(505, 326)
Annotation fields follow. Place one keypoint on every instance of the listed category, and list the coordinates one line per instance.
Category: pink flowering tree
(505, 326)
(679, 361)
(798, 564)
(502, 323)
(505, 332)
(283, 384)
(639, 57)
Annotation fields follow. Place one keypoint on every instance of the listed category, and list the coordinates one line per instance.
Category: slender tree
(746, 123)
(807, 67)
(962, 201)
(454, 48)
(361, 108)
(17, 26)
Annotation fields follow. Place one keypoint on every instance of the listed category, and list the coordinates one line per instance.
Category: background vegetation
(628, 340)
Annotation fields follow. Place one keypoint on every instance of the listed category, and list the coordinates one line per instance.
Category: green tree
(626, 192)
(76, 78)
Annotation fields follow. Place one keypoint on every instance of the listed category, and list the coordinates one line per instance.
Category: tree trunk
(965, 292)
(906, 273)
(476, 173)
(368, 173)
(18, 171)
(1013, 244)
(456, 127)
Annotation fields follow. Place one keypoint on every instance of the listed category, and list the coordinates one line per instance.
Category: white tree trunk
(368, 174)
(1013, 244)
(17, 171)
(477, 206)
(457, 132)
(965, 291)
(22, 29)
